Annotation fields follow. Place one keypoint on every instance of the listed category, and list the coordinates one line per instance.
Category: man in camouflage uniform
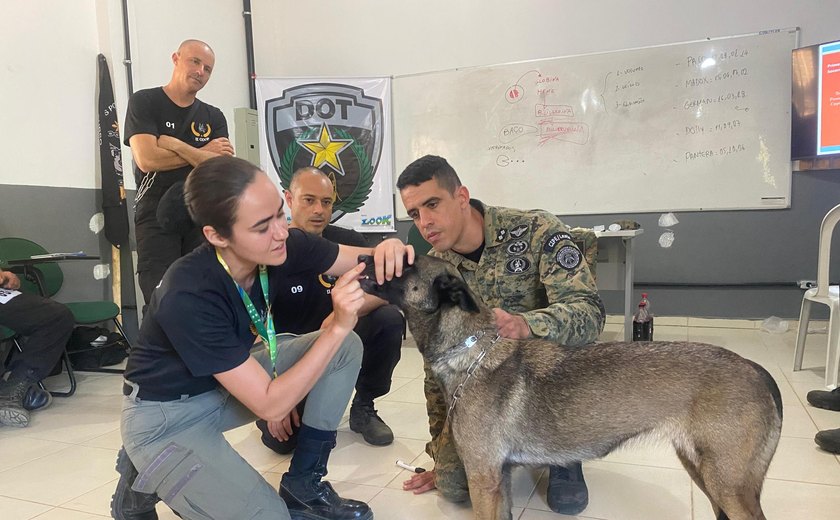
(525, 265)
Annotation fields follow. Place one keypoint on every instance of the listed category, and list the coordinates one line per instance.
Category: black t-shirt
(150, 111)
(196, 324)
(304, 300)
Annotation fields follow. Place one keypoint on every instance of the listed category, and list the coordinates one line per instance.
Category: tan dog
(531, 402)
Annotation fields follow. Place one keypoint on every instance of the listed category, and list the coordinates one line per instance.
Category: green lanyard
(264, 330)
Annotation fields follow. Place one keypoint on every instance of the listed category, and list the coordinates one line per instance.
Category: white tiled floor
(62, 466)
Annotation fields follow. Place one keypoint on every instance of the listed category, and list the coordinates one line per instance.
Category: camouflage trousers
(450, 477)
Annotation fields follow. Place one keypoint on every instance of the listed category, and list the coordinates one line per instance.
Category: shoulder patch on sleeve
(555, 239)
(568, 257)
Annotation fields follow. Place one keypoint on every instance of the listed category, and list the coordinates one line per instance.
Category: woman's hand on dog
(511, 326)
(420, 482)
(347, 299)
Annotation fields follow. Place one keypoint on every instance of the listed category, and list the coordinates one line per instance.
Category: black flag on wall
(114, 204)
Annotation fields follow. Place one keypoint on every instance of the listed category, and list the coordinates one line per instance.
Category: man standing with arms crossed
(170, 131)
(304, 305)
(524, 265)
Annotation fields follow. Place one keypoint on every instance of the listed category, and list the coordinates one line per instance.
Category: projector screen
(815, 101)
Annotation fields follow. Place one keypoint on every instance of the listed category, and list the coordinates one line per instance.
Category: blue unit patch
(555, 239)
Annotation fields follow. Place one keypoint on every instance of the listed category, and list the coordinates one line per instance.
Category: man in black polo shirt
(303, 303)
(170, 131)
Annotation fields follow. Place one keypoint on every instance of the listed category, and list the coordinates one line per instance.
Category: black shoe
(127, 504)
(275, 444)
(567, 493)
(14, 416)
(36, 398)
(825, 399)
(829, 440)
(365, 420)
(309, 498)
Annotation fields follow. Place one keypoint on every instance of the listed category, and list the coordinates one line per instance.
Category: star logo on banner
(325, 149)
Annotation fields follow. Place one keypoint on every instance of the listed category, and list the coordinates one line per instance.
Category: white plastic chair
(826, 295)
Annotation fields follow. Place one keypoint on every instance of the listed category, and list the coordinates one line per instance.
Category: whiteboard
(700, 125)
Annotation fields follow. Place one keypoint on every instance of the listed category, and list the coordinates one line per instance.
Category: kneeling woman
(197, 372)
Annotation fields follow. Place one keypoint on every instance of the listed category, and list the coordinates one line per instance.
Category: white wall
(47, 96)
(159, 26)
(382, 37)
(48, 75)
(48, 51)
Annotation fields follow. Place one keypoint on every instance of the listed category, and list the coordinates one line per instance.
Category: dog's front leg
(489, 490)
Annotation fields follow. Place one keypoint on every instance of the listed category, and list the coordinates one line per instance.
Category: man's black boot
(825, 399)
(127, 504)
(365, 420)
(36, 398)
(829, 440)
(567, 493)
(305, 494)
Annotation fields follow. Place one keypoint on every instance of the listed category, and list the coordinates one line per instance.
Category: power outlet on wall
(807, 284)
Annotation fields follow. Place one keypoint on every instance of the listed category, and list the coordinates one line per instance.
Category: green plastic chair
(421, 247)
(84, 313)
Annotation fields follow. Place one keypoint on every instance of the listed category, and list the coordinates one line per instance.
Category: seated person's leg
(45, 326)
(381, 333)
(829, 440)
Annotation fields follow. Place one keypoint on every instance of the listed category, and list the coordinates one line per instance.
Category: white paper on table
(7, 294)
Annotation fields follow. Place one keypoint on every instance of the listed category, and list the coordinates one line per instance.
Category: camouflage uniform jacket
(531, 267)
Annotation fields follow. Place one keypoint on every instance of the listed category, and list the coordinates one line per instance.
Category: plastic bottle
(650, 312)
(647, 303)
(642, 323)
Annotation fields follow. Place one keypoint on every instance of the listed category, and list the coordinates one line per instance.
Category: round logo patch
(568, 257)
(517, 265)
(517, 247)
(327, 281)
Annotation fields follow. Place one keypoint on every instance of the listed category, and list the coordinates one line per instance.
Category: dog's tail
(771, 385)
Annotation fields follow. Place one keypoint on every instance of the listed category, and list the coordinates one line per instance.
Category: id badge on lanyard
(265, 330)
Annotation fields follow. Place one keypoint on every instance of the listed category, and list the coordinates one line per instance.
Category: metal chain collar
(468, 343)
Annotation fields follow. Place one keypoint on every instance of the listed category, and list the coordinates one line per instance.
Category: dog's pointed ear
(453, 289)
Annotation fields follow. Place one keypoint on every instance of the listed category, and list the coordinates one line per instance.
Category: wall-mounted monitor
(815, 100)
